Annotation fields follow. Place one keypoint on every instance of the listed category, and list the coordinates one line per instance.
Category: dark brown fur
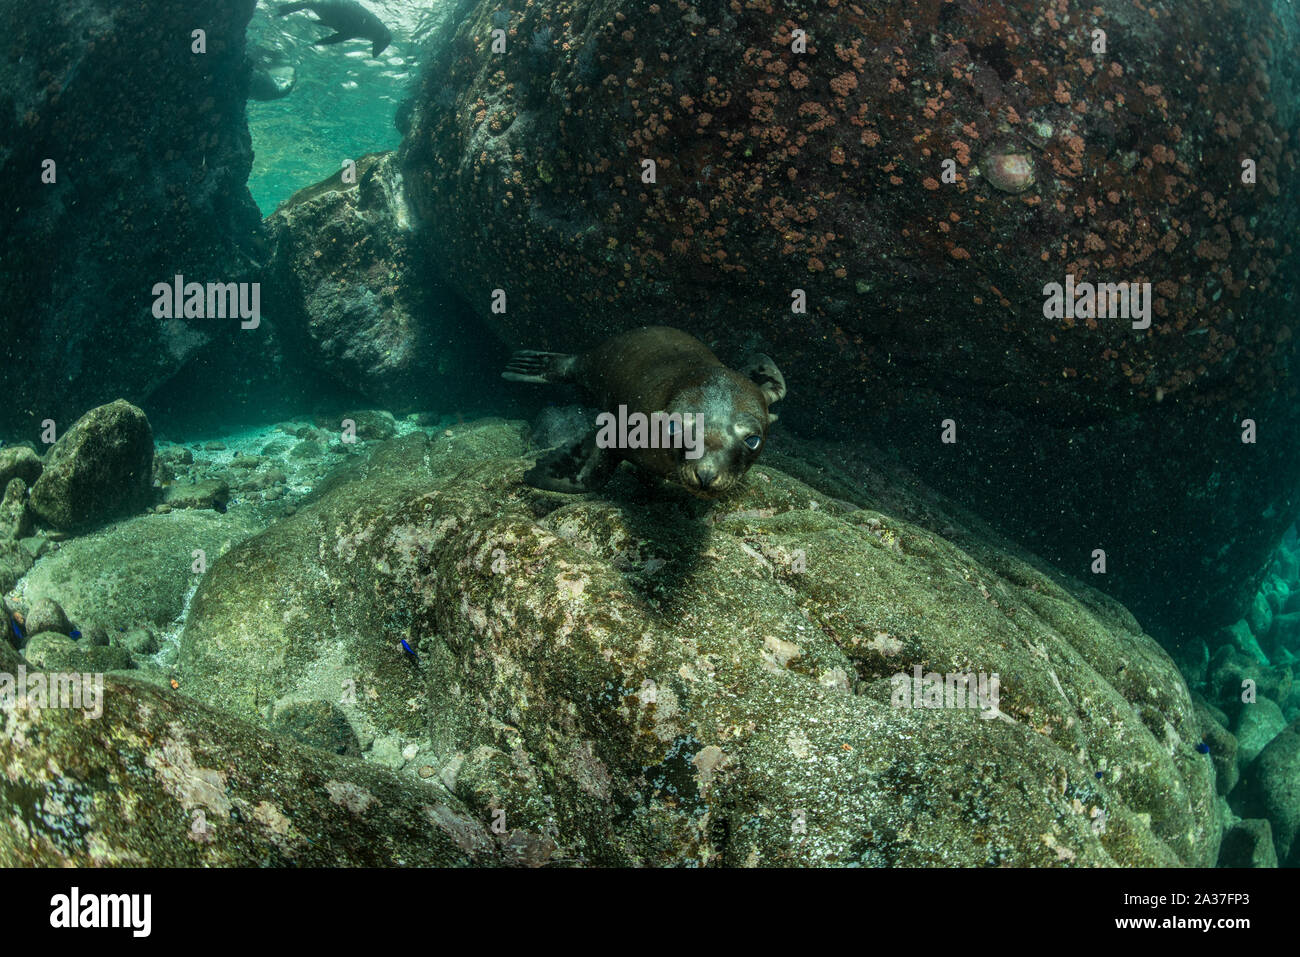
(660, 369)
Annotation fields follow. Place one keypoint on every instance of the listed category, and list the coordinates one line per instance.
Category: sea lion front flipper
(529, 365)
(580, 466)
(763, 371)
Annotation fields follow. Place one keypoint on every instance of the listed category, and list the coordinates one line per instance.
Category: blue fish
(1203, 748)
(74, 634)
(1100, 775)
(17, 633)
(410, 651)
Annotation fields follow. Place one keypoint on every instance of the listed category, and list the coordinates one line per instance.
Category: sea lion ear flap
(766, 376)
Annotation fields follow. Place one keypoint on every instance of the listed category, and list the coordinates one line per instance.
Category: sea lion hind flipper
(580, 466)
(764, 373)
(528, 365)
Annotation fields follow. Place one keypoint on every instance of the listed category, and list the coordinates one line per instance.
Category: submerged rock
(319, 724)
(101, 468)
(1272, 790)
(162, 780)
(18, 461)
(369, 424)
(1248, 843)
(150, 160)
(352, 295)
(209, 494)
(135, 572)
(1222, 745)
(641, 678)
(140, 641)
(1258, 723)
(805, 151)
(15, 516)
(45, 614)
(51, 651)
(15, 560)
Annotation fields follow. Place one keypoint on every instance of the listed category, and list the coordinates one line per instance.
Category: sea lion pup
(349, 18)
(705, 423)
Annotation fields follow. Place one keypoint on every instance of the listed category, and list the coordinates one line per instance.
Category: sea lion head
(724, 420)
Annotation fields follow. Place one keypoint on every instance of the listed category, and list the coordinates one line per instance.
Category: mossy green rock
(319, 724)
(100, 468)
(15, 516)
(1222, 744)
(1258, 723)
(643, 678)
(1248, 843)
(15, 560)
(18, 461)
(136, 572)
(209, 494)
(164, 781)
(45, 614)
(245, 652)
(50, 651)
(1271, 787)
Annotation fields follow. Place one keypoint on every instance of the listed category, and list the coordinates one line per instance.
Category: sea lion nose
(706, 476)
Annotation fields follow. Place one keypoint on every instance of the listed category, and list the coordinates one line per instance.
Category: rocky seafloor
(359, 640)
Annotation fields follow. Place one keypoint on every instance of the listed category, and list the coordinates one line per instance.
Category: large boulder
(161, 780)
(648, 679)
(344, 261)
(151, 154)
(778, 170)
(100, 468)
(353, 298)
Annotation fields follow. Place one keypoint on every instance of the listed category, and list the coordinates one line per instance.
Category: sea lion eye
(753, 441)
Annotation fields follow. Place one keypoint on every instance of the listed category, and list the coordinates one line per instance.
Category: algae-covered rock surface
(642, 678)
(99, 468)
(135, 572)
(161, 780)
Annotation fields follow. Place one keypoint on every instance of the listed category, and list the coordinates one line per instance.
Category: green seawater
(342, 105)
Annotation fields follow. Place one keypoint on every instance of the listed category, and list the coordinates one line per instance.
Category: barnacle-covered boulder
(879, 194)
(643, 678)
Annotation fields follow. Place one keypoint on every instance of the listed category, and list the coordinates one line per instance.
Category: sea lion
(669, 378)
(273, 76)
(348, 17)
